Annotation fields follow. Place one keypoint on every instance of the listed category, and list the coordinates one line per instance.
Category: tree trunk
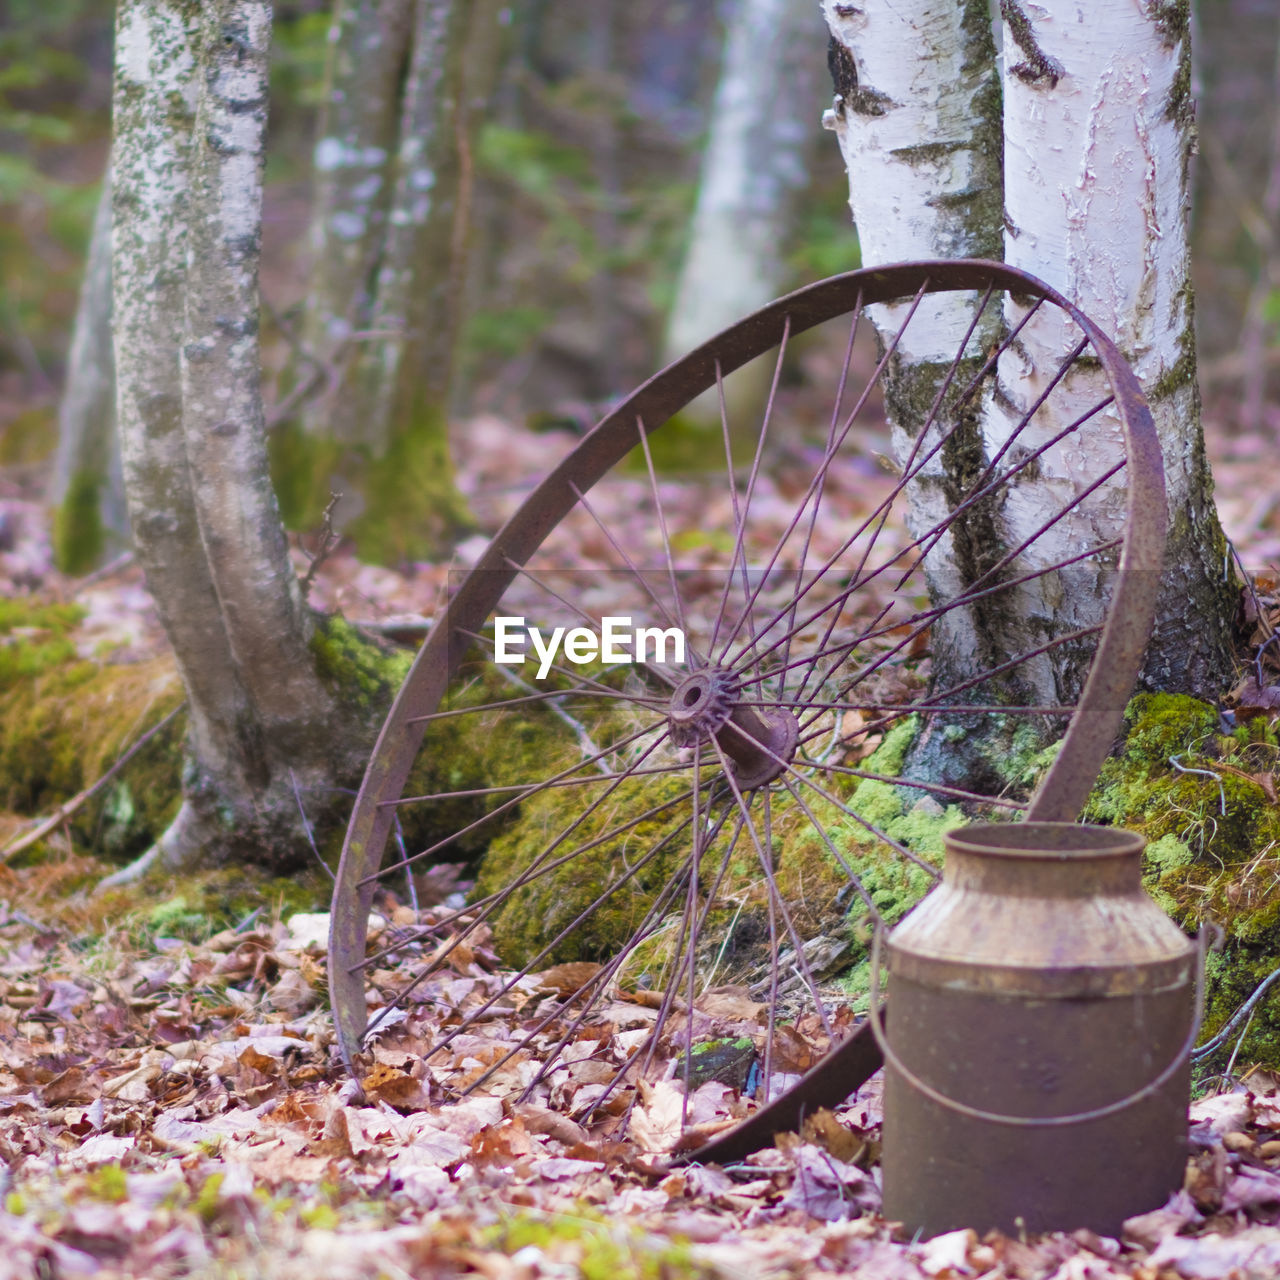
(90, 524)
(917, 116)
(399, 390)
(754, 167)
(1099, 132)
(368, 40)
(1095, 121)
(190, 112)
(382, 316)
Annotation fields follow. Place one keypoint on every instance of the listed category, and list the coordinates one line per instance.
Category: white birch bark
(415, 290)
(90, 521)
(754, 164)
(190, 111)
(917, 117)
(1099, 129)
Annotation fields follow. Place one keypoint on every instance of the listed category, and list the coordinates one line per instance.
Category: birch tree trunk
(90, 523)
(1096, 122)
(917, 117)
(382, 314)
(401, 382)
(190, 112)
(754, 167)
(1099, 132)
(368, 43)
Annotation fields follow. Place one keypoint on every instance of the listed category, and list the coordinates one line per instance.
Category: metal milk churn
(1037, 1061)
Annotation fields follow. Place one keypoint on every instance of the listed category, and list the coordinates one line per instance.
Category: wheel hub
(759, 742)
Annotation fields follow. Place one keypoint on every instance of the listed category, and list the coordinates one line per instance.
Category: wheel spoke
(667, 551)
(842, 606)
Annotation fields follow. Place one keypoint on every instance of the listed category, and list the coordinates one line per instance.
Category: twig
(63, 812)
(1244, 1011)
(306, 826)
(329, 539)
(122, 561)
(1207, 773)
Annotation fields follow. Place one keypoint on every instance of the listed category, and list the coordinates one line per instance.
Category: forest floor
(173, 1104)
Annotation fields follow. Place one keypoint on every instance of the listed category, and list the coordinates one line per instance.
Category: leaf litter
(178, 1108)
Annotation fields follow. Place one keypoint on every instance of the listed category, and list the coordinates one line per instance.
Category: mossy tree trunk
(1075, 169)
(754, 168)
(190, 113)
(90, 524)
(382, 312)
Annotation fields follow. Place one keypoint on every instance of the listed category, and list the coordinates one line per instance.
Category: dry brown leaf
(657, 1121)
(70, 1087)
(552, 1124)
(396, 1088)
(565, 979)
(731, 1004)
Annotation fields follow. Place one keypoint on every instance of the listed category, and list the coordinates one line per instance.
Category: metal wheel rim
(1092, 727)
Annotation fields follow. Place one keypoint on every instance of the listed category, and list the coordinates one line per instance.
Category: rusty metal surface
(1091, 730)
(827, 1084)
(1068, 1017)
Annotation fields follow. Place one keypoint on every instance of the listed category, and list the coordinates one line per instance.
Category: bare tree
(190, 112)
(755, 166)
(381, 314)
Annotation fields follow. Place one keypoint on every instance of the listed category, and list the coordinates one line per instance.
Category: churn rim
(1056, 840)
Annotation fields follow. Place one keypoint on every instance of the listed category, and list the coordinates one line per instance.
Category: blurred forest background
(585, 125)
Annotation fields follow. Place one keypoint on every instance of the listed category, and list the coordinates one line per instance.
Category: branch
(77, 802)
(329, 539)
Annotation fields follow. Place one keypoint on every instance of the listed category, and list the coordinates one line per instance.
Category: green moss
(409, 506)
(609, 841)
(107, 1182)
(413, 510)
(35, 636)
(890, 756)
(364, 671)
(595, 1248)
(302, 469)
(79, 537)
(1213, 850)
(64, 725)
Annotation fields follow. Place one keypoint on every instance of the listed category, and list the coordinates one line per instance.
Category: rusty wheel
(989, 597)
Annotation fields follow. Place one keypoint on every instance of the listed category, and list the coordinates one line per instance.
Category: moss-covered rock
(64, 721)
(1198, 791)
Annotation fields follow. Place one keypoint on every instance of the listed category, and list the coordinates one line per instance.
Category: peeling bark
(90, 521)
(1097, 131)
(1097, 204)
